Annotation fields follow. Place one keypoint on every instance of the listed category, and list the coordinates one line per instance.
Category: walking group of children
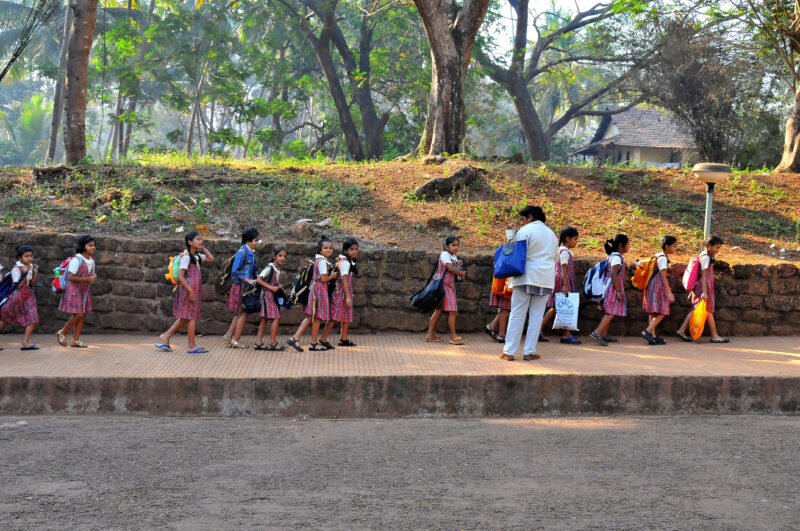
(330, 295)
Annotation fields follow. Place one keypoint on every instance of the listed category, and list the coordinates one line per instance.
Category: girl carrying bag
(431, 295)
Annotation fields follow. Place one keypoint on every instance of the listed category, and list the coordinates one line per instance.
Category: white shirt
(614, 259)
(75, 265)
(184, 260)
(265, 272)
(16, 274)
(344, 265)
(705, 260)
(564, 255)
(542, 256)
(662, 262)
(322, 268)
(448, 258)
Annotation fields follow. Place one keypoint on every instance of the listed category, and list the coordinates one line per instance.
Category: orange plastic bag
(698, 320)
(500, 287)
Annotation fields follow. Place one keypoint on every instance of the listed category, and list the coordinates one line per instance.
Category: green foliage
(24, 132)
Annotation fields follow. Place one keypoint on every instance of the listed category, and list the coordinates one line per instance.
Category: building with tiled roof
(646, 136)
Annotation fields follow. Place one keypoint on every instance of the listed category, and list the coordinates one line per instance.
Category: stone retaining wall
(131, 293)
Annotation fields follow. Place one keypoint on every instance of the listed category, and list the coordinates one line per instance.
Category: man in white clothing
(532, 289)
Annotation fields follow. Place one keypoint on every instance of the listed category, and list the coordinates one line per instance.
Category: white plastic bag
(567, 311)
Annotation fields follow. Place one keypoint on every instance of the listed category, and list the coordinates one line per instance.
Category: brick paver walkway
(397, 354)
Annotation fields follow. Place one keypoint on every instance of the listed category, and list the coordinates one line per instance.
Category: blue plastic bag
(509, 259)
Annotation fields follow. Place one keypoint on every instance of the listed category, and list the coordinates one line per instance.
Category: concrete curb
(402, 396)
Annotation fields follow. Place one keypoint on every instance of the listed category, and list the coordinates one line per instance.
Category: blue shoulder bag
(509, 259)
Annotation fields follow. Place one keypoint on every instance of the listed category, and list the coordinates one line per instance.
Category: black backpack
(431, 295)
(7, 286)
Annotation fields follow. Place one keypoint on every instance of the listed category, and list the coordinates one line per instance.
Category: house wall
(644, 156)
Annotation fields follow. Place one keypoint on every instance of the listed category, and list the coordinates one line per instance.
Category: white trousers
(523, 304)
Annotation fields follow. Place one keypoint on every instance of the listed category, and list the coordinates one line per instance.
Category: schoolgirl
(704, 291)
(566, 282)
(658, 295)
(318, 308)
(243, 271)
(269, 279)
(77, 297)
(614, 303)
(448, 270)
(342, 304)
(20, 308)
(497, 328)
(189, 295)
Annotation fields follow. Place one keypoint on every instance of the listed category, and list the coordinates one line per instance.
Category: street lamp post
(711, 174)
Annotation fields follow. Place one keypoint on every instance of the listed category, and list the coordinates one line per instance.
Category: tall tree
(80, 46)
(451, 31)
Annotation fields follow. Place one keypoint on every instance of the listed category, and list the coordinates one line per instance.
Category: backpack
(644, 272)
(501, 288)
(430, 295)
(174, 268)
(251, 299)
(691, 274)
(596, 281)
(223, 282)
(7, 286)
(60, 277)
(301, 283)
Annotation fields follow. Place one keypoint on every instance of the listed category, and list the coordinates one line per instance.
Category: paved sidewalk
(130, 356)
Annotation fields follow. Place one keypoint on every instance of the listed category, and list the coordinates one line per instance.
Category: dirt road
(735, 472)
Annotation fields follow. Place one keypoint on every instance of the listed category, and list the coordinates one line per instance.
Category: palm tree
(23, 134)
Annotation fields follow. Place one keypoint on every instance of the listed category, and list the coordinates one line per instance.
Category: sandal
(227, 341)
(346, 343)
(500, 339)
(684, 337)
(648, 337)
(456, 340)
(610, 339)
(660, 341)
(316, 347)
(327, 345)
(721, 340)
(275, 347)
(30, 347)
(260, 346)
(164, 347)
(295, 344)
(543, 339)
(434, 339)
(571, 340)
(489, 330)
(62, 339)
(79, 344)
(198, 350)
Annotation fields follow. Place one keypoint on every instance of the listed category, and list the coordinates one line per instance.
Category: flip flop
(684, 337)
(572, 340)
(435, 339)
(62, 339)
(164, 347)
(198, 350)
(30, 347)
(456, 341)
(79, 344)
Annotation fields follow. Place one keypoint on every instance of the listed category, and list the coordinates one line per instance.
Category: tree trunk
(451, 33)
(535, 135)
(113, 139)
(190, 131)
(791, 147)
(129, 113)
(80, 45)
(58, 97)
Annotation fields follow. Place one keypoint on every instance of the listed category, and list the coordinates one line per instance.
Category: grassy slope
(159, 194)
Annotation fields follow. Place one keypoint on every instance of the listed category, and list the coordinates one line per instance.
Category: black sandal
(327, 345)
(316, 347)
(260, 346)
(684, 337)
(346, 343)
(295, 344)
(489, 330)
(275, 347)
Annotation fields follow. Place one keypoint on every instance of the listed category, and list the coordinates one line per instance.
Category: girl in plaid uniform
(269, 307)
(318, 308)
(566, 282)
(614, 303)
(342, 304)
(243, 271)
(20, 308)
(448, 270)
(77, 297)
(704, 291)
(189, 295)
(658, 295)
(497, 328)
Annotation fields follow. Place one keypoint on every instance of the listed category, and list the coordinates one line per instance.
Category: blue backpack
(596, 281)
(7, 285)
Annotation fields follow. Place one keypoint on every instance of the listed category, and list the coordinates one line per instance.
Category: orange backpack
(501, 288)
(644, 272)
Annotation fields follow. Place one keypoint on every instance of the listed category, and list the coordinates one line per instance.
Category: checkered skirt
(449, 303)
(77, 297)
(319, 304)
(269, 309)
(20, 308)
(235, 298)
(610, 303)
(697, 293)
(341, 312)
(182, 307)
(656, 300)
(572, 282)
(496, 301)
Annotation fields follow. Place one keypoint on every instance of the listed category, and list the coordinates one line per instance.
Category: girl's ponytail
(613, 245)
(569, 232)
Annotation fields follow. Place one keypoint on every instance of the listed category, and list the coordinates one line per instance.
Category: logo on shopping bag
(565, 308)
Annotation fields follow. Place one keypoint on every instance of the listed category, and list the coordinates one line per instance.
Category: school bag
(596, 281)
(691, 274)
(7, 286)
(223, 282)
(645, 269)
(501, 288)
(174, 269)
(251, 299)
(431, 295)
(301, 284)
(60, 277)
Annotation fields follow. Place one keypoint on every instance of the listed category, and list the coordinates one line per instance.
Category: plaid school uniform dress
(319, 305)
(449, 303)
(342, 313)
(269, 308)
(697, 293)
(77, 297)
(20, 309)
(236, 292)
(572, 282)
(182, 307)
(496, 301)
(656, 300)
(610, 303)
